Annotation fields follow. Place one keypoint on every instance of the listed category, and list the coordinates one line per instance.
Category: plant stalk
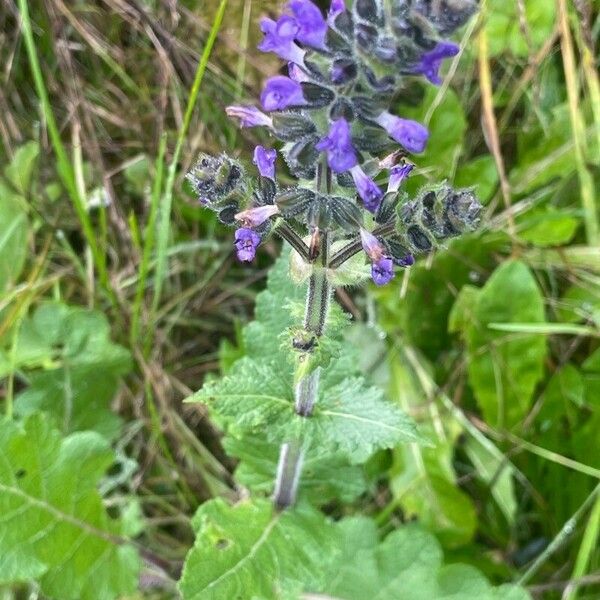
(318, 299)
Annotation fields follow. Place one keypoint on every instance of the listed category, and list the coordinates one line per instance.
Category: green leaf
(78, 398)
(547, 226)
(81, 368)
(350, 417)
(14, 233)
(54, 526)
(462, 309)
(504, 368)
(248, 550)
(408, 564)
(58, 334)
(578, 304)
(21, 167)
(325, 476)
(423, 314)
(422, 480)
(503, 25)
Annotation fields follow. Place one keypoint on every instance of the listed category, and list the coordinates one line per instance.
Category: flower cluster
(332, 114)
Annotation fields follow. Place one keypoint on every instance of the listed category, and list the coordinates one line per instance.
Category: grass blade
(65, 169)
(167, 201)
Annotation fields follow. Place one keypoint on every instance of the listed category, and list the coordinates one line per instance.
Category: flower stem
(318, 299)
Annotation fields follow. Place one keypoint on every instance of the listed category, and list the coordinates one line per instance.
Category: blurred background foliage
(118, 294)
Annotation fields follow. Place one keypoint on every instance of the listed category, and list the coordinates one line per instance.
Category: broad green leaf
(325, 476)
(14, 233)
(462, 309)
(55, 528)
(21, 167)
(348, 416)
(408, 564)
(504, 368)
(422, 480)
(547, 226)
(249, 550)
(504, 30)
(58, 334)
(73, 368)
(78, 398)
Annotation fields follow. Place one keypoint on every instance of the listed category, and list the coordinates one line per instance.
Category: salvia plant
(296, 409)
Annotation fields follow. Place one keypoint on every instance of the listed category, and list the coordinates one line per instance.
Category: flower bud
(371, 245)
(412, 135)
(249, 116)
(341, 155)
(253, 217)
(367, 189)
(264, 159)
(398, 173)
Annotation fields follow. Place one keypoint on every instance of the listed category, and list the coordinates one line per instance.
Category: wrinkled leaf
(248, 550)
(54, 526)
(408, 564)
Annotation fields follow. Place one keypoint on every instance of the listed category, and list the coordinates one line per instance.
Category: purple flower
(246, 243)
(279, 38)
(281, 92)
(382, 271)
(296, 73)
(407, 261)
(312, 27)
(371, 245)
(249, 116)
(412, 135)
(253, 217)
(335, 8)
(431, 61)
(265, 159)
(341, 155)
(398, 173)
(367, 189)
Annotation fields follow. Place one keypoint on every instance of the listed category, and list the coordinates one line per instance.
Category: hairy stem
(318, 298)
